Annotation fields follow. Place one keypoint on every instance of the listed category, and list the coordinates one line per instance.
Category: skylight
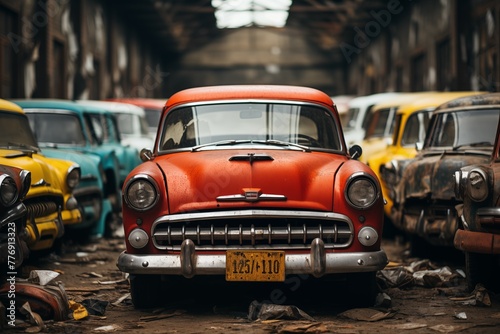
(246, 13)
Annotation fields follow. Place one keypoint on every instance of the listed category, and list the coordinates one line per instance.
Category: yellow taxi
(411, 120)
(49, 202)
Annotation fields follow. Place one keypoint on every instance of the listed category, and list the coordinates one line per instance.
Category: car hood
(226, 179)
(433, 175)
(43, 178)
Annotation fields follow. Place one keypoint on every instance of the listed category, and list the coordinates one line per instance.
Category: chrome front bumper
(190, 263)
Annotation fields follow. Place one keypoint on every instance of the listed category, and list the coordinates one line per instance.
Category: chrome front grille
(259, 232)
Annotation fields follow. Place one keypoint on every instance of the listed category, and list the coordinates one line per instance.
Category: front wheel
(145, 290)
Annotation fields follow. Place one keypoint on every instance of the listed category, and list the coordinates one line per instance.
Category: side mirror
(355, 151)
(146, 155)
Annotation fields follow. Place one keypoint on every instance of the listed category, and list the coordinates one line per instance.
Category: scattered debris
(461, 316)
(366, 314)
(95, 306)
(32, 317)
(79, 311)
(407, 326)
(478, 297)
(42, 277)
(383, 300)
(121, 299)
(263, 311)
(109, 328)
(161, 316)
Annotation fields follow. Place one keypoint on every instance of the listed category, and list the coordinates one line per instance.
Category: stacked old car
(62, 167)
(438, 177)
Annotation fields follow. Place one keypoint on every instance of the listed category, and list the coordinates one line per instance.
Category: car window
(298, 124)
(126, 123)
(57, 128)
(153, 117)
(15, 131)
(464, 128)
(351, 118)
(415, 128)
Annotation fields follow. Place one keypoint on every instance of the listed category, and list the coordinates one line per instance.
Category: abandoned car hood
(432, 175)
(232, 179)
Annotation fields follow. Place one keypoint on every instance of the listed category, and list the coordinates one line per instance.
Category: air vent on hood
(251, 157)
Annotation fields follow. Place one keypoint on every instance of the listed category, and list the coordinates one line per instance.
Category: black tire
(145, 291)
(482, 269)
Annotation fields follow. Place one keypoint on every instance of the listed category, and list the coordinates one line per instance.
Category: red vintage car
(251, 183)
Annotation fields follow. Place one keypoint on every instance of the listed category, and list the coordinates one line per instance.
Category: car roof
(58, 104)
(10, 106)
(470, 102)
(118, 107)
(433, 101)
(250, 92)
(401, 99)
(148, 103)
(368, 100)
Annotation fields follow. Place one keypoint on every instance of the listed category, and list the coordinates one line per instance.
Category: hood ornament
(251, 195)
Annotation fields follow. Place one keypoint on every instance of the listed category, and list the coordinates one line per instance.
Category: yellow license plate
(256, 266)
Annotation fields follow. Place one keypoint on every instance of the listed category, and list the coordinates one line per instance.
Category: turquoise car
(63, 127)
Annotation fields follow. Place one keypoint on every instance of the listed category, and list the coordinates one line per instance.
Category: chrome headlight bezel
(361, 183)
(25, 176)
(134, 197)
(8, 190)
(73, 177)
(477, 184)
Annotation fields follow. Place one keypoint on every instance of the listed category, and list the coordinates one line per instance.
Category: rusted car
(461, 132)
(251, 183)
(14, 185)
(478, 236)
(50, 200)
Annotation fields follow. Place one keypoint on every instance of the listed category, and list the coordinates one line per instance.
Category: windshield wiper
(481, 143)
(221, 143)
(251, 141)
(282, 143)
(23, 147)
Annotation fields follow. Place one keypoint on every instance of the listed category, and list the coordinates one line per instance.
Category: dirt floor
(417, 295)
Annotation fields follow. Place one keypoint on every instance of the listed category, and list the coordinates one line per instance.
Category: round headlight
(138, 238)
(8, 190)
(73, 177)
(361, 191)
(141, 192)
(477, 185)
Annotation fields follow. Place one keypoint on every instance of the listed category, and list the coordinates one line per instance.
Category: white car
(131, 120)
(359, 107)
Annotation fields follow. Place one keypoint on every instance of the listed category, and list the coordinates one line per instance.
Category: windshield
(310, 126)
(57, 128)
(15, 131)
(464, 128)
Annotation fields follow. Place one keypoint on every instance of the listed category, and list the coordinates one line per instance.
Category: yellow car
(50, 203)
(411, 122)
(380, 122)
